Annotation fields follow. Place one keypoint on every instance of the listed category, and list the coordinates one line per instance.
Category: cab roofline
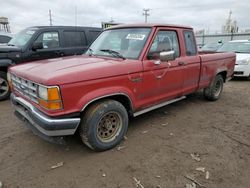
(150, 25)
(62, 27)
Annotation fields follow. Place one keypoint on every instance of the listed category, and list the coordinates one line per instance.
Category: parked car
(43, 42)
(242, 50)
(212, 47)
(5, 38)
(128, 70)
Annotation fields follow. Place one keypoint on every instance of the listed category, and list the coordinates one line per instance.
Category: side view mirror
(167, 56)
(37, 45)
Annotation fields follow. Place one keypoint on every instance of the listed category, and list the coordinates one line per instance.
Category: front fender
(6, 63)
(106, 92)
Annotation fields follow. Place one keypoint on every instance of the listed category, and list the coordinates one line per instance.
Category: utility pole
(75, 15)
(50, 18)
(146, 14)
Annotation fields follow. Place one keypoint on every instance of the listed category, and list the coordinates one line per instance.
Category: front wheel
(104, 125)
(214, 91)
(4, 86)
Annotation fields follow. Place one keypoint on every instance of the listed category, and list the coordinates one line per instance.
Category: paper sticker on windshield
(30, 32)
(135, 36)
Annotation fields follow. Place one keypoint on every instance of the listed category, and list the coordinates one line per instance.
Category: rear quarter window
(74, 38)
(190, 43)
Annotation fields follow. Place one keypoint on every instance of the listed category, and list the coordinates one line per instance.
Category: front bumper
(242, 71)
(41, 124)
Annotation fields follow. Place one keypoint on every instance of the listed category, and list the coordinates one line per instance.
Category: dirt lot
(156, 152)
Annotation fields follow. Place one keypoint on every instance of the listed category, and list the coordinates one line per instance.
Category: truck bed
(214, 62)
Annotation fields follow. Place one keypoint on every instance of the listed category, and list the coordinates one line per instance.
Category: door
(50, 46)
(191, 64)
(162, 80)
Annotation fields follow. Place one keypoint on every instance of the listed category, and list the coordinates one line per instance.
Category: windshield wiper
(114, 53)
(90, 52)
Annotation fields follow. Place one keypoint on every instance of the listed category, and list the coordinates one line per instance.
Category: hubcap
(4, 88)
(217, 88)
(109, 126)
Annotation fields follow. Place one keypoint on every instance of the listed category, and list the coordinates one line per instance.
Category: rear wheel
(214, 91)
(104, 125)
(4, 86)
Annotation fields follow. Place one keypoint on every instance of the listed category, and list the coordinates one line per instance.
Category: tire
(4, 86)
(213, 92)
(104, 125)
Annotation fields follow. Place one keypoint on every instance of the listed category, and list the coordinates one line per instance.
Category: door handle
(60, 53)
(181, 63)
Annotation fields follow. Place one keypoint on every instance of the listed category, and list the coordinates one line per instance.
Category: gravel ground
(163, 149)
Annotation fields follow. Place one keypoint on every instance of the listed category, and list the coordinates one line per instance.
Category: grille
(25, 87)
(238, 72)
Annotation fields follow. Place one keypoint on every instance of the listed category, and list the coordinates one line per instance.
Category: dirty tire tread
(209, 92)
(86, 125)
(4, 76)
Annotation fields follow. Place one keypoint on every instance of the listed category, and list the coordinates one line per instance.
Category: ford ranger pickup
(127, 71)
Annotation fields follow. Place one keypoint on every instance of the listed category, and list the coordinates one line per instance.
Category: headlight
(244, 62)
(43, 92)
(49, 97)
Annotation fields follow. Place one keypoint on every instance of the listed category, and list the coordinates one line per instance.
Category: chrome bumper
(40, 123)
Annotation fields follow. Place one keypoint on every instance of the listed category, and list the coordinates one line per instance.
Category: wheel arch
(123, 98)
(4, 64)
(223, 74)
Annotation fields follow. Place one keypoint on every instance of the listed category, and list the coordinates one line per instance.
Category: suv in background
(43, 42)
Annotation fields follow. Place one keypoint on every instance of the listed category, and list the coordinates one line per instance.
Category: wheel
(214, 91)
(104, 125)
(4, 86)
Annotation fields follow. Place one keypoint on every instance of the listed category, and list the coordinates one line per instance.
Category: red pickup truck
(127, 71)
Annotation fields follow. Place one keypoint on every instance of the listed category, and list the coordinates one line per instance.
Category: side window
(74, 38)
(49, 39)
(164, 41)
(190, 43)
(4, 39)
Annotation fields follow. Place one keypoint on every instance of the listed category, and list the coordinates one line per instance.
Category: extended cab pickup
(127, 71)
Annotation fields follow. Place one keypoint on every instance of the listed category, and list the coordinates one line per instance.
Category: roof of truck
(149, 25)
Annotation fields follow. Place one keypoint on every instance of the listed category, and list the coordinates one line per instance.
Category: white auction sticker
(132, 36)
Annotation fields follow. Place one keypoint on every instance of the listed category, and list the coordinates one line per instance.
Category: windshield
(211, 46)
(21, 38)
(238, 47)
(126, 43)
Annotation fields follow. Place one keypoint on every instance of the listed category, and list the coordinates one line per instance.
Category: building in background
(230, 26)
(4, 25)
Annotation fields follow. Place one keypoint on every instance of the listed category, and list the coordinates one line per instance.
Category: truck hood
(6, 49)
(70, 69)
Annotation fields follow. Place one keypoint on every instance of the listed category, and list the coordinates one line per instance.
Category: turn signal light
(49, 97)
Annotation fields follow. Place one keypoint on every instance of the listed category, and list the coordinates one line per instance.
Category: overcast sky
(200, 14)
